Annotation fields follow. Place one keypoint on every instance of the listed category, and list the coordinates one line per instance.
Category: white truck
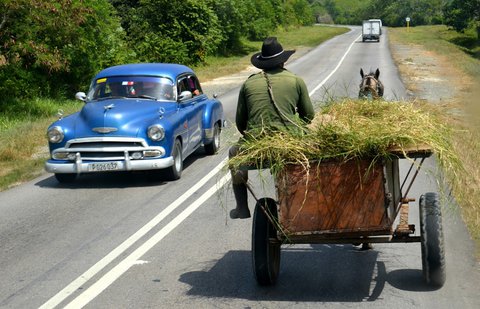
(371, 30)
(380, 21)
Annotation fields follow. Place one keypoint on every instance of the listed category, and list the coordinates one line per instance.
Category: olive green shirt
(255, 108)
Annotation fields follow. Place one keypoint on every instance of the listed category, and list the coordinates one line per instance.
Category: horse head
(370, 87)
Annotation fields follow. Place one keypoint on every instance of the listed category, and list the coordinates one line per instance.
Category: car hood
(120, 117)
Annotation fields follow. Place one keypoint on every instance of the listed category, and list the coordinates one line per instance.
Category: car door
(191, 107)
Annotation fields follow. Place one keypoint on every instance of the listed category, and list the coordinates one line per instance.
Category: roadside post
(408, 23)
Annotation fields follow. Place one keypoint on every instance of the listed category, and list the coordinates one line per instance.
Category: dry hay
(354, 129)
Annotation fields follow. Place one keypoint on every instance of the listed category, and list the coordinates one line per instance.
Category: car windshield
(146, 87)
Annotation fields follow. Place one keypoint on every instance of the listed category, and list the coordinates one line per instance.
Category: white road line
(117, 271)
(99, 286)
(336, 68)
(82, 279)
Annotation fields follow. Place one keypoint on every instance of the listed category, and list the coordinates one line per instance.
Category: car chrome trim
(107, 149)
(79, 167)
(106, 139)
(208, 133)
(104, 130)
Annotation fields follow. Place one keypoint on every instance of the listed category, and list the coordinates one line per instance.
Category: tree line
(52, 48)
(458, 14)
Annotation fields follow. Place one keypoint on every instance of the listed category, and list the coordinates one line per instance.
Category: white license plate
(103, 166)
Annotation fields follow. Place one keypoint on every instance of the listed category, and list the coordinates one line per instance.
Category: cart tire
(432, 243)
(265, 254)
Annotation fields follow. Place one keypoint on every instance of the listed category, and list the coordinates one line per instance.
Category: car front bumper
(78, 167)
(102, 154)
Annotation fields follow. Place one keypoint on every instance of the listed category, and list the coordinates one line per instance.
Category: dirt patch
(428, 75)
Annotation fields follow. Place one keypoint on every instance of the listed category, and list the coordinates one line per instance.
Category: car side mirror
(185, 95)
(81, 96)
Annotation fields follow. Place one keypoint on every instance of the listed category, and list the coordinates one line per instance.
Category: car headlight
(156, 132)
(55, 135)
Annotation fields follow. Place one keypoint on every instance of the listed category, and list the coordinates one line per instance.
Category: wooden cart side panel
(333, 197)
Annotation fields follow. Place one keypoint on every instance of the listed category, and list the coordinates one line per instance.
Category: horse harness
(369, 89)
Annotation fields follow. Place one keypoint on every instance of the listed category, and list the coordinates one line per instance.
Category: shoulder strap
(279, 112)
(270, 93)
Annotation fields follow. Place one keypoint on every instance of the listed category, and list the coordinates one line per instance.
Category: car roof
(146, 69)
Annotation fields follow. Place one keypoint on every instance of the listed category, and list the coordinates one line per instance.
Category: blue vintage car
(146, 116)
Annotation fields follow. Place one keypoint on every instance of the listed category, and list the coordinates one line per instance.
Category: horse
(370, 87)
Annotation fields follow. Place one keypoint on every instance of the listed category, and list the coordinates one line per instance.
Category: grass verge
(460, 54)
(23, 144)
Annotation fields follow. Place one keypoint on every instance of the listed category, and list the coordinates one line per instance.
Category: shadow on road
(329, 273)
(322, 273)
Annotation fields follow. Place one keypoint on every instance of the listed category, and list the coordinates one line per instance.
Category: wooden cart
(356, 202)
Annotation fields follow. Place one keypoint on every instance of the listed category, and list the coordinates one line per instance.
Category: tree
(171, 30)
(302, 11)
(461, 14)
(232, 17)
(53, 48)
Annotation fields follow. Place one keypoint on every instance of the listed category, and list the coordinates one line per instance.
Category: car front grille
(107, 149)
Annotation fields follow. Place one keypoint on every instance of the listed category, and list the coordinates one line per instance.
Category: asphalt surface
(122, 241)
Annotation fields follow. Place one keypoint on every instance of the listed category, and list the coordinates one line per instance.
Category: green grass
(23, 138)
(465, 47)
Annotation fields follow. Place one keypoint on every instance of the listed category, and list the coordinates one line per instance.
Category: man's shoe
(241, 197)
(240, 213)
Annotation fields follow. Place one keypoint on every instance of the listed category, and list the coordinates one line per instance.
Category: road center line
(336, 68)
(92, 271)
(123, 266)
(104, 282)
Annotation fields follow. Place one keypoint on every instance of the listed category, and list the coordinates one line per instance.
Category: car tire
(214, 146)
(174, 172)
(66, 178)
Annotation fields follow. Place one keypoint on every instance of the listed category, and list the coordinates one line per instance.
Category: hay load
(354, 129)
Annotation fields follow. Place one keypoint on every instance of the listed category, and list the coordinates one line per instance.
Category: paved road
(121, 241)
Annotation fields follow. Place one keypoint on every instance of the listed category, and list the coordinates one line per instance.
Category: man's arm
(241, 117)
(304, 107)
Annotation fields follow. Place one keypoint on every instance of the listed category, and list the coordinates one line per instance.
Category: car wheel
(66, 178)
(214, 146)
(174, 172)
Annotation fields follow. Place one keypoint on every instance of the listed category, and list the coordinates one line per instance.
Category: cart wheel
(433, 253)
(265, 254)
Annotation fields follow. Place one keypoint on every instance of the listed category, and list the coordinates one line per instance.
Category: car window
(147, 87)
(189, 83)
